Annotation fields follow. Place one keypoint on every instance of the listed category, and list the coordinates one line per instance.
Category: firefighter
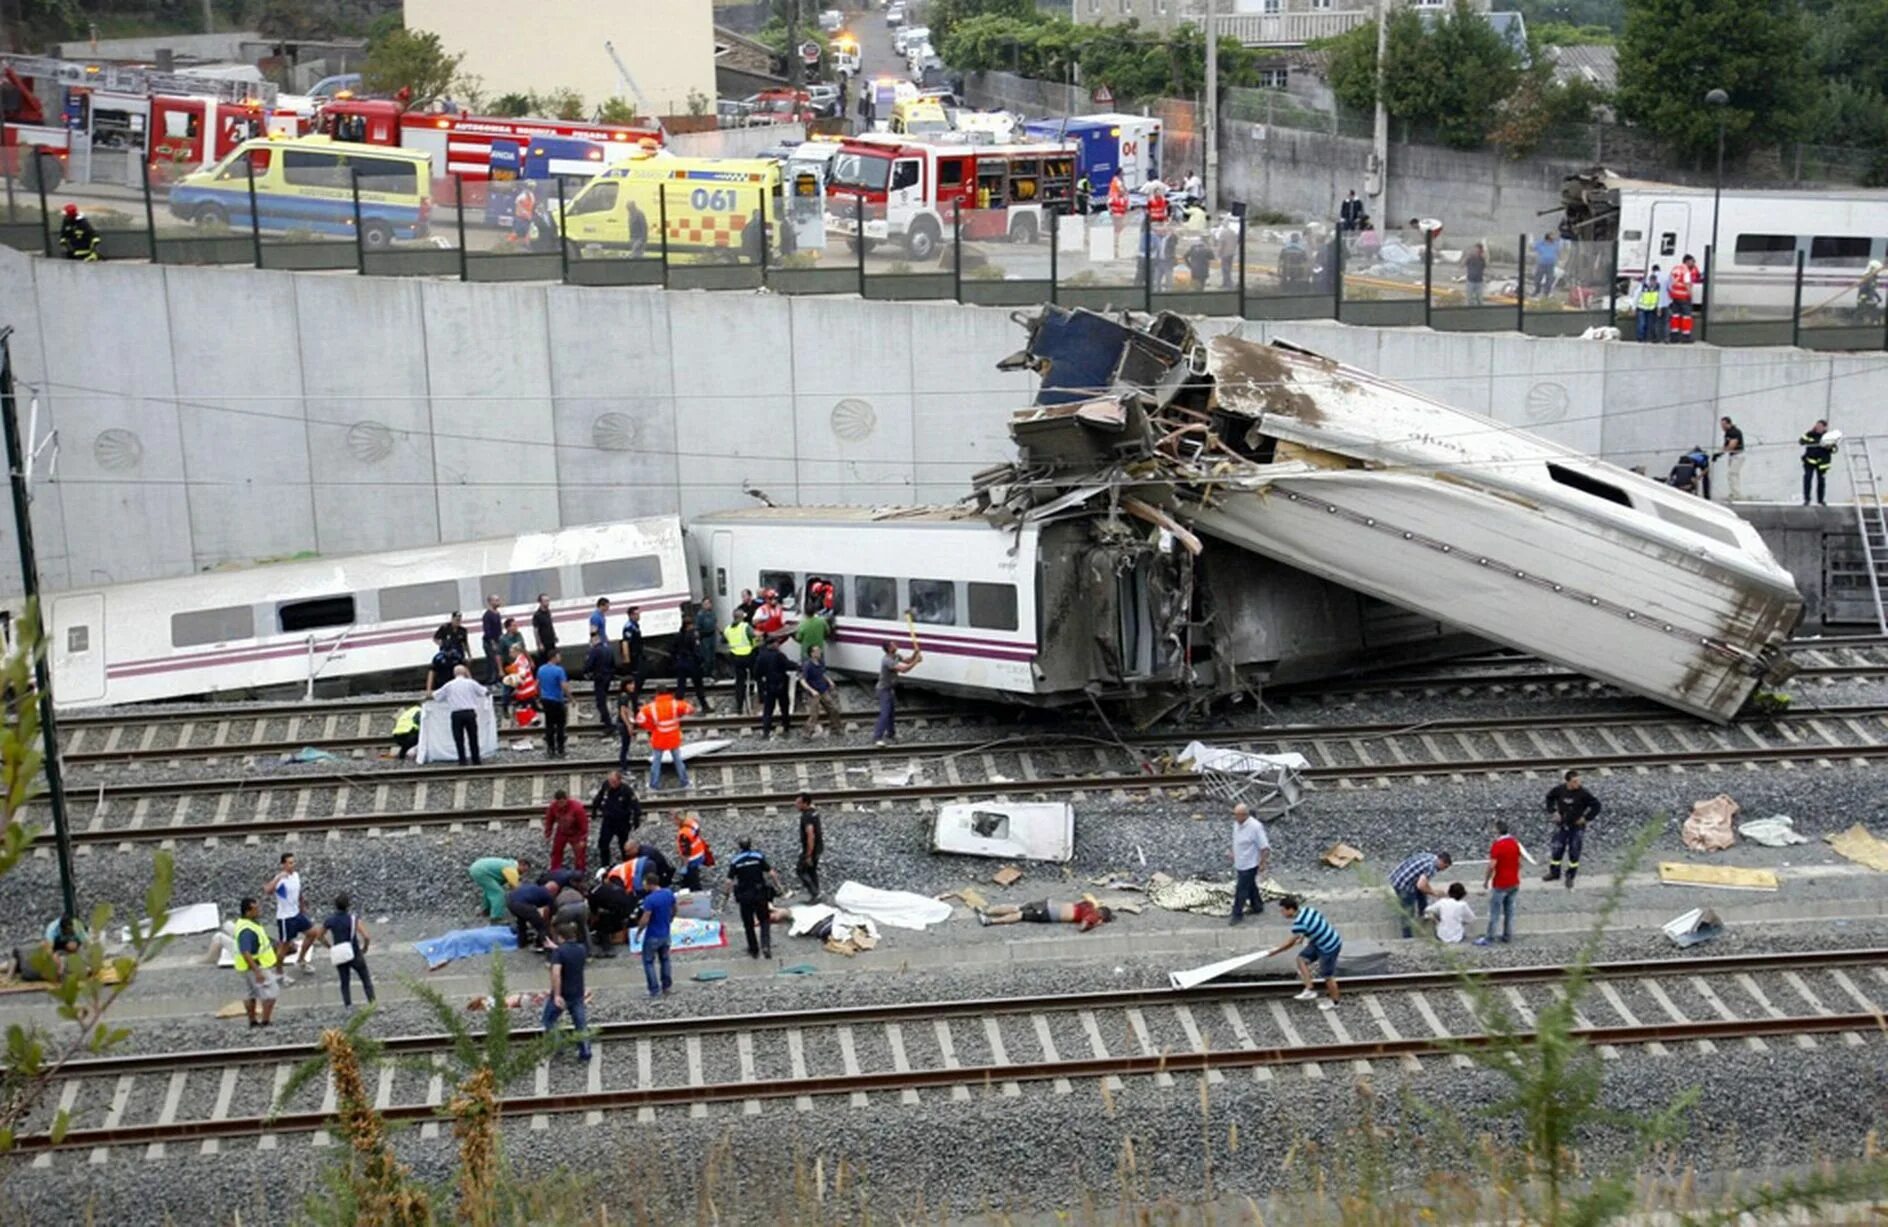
(78, 239)
(1816, 458)
(1572, 808)
(1681, 301)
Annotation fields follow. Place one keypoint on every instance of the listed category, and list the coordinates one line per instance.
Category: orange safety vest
(689, 845)
(662, 718)
(524, 682)
(1681, 284)
(1117, 197)
(769, 618)
(1157, 208)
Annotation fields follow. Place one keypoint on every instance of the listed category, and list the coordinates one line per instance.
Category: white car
(831, 20)
(895, 15)
(902, 41)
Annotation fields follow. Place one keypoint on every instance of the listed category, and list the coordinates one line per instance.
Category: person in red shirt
(567, 826)
(1086, 913)
(1502, 880)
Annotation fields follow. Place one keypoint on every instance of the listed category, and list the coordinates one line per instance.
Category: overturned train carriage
(1258, 452)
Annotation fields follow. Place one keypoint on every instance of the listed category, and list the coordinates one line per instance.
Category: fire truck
(80, 114)
(480, 149)
(913, 193)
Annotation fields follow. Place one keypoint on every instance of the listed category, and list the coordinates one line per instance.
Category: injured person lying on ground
(1086, 913)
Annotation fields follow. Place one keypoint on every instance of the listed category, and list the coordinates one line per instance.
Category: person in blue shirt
(1322, 946)
(567, 990)
(600, 619)
(658, 912)
(554, 701)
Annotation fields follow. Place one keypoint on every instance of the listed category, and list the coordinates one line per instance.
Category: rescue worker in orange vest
(1118, 210)
(521, 685)
(1157, 206)
(661, 718)
(1682, 275)
(524, 204)
(691, 850)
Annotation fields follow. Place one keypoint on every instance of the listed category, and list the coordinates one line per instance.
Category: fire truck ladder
(1871, 518)
(131, 79)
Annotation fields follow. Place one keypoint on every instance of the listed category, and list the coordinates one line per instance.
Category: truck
(912, 193)
(1111, 144)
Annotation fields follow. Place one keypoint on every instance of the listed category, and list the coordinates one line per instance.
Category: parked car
(831, 20)
(894, 14)
(824, 98)
(778, 106)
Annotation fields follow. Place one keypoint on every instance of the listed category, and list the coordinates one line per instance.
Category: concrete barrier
(209, 416)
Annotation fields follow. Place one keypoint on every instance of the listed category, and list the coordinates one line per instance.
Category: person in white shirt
(291, 919)
(463, 697)
(1452, 915)
(1251, 853)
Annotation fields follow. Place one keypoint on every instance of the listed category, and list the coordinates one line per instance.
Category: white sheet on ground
(1033, 830)
(898, 908)
(1196, 976)
(182, 921)
(695, 749)
(1776, 831)
(436, 732)
(808, 916)
(1242, 762)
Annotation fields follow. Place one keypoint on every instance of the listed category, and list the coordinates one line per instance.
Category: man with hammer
(890, 665)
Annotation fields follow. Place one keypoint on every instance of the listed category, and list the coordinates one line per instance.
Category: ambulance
(711, 209)
(1111, 144)
(919, 117)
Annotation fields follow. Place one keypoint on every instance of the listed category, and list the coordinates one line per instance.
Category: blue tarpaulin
(464, 943)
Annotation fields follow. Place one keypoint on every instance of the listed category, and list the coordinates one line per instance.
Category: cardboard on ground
(1727, 877)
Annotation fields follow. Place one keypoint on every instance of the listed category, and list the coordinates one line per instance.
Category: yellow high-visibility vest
(740, 638)
(1649, 298)
(265, 947)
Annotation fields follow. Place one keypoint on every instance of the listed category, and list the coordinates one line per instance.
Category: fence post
(1612, 286)
(1429, 273)
(1055, 242)
(662, 219)
(458, 201)
(255, 214)
(563, 244)
(45, 218)
(764, 234)
(1796, 305)
(1147, 262)
(360, 246)
(150, 214)
(1242, 266)
(1337, 277)
(858, 220)
(1520, 285)
(957, 253)
(12, 211)
(1710, 280)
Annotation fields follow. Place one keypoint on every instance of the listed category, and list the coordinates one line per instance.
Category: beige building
(1256, 23)
(667, 47)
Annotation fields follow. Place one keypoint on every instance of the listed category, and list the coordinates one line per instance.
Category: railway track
(1670, 1008)
(407, 799)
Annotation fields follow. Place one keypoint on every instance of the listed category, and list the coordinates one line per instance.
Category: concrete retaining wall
(209, 416)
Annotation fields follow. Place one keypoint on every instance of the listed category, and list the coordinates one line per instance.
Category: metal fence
(1015, 256)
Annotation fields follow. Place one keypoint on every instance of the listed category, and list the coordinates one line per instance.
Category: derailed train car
(1278, 453)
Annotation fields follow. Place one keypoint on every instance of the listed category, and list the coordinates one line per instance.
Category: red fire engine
(913, 192)
(478, 148)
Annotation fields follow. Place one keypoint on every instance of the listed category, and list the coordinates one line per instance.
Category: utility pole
(29, 583)
(1209, 106)
(793, 43)
(1377, 182)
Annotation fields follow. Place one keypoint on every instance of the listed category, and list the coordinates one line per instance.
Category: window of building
(784, 584)
(316, 613)
(201, 626)
(621, 576)
(1575, 479)
(1273, 78)
(1766, 250)
(1828, 250)
(435, 599)
(993, 606)
(934, 601)
(1273, 6)
(78, 639)
(522, 587)
(877, 597)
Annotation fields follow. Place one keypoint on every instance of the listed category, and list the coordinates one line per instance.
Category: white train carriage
(292, 623)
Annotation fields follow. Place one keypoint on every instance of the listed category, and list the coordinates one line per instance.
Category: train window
(878, 597)
(522, 587)
(1828, 249)
(1766, 250)
(1588, 485)
(839, 591)
(312, 615)
(993, 606)
(934, 601)
(784, 584)
(430, 600)
(78, 639)
(721, 581)
(200, 626)
(622, 575)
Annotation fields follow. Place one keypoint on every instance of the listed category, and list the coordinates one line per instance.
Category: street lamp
(1717, 100)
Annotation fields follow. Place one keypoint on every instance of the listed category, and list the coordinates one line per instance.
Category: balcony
(1289, 29)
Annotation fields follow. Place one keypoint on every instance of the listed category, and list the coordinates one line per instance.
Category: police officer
(619, 813)
(1816, 458)
(78, 238)
(754, 884)
(1572, 807)
(632, 657)
(773, 678)
(599, 665)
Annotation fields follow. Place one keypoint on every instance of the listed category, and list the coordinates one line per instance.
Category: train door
(1668, 234)
(78, 648)
(1134, 604)
(723, 565)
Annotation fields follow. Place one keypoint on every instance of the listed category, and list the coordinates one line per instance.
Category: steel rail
(1173, 1062)
(1466, 681)
(751, 799)
(977, 1007)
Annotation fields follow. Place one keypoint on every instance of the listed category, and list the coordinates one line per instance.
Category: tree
(617, 111)
(943, 15)
(1674, 52)
(1451, 73)
(415, 62)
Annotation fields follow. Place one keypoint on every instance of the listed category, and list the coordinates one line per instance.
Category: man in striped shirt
(1415, 885)
(1322, 945)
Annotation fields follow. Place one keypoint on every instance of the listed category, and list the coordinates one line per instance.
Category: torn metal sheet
(1028, 831)
(1694, 928)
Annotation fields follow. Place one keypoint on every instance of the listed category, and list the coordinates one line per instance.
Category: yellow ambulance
(712, 210)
